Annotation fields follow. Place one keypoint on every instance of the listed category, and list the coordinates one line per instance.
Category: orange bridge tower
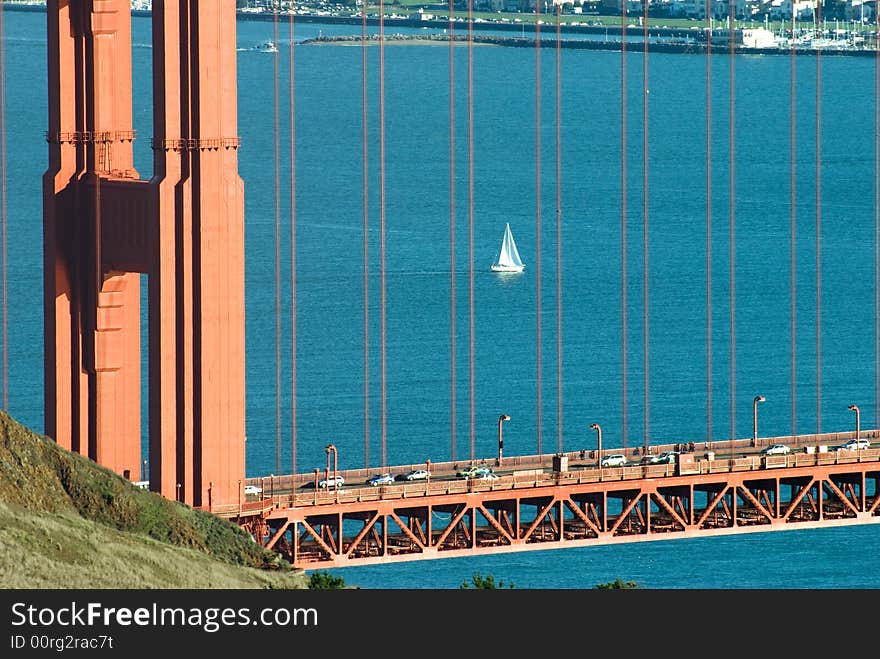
(104, 227)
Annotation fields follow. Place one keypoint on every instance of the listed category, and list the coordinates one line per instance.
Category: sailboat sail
(508, 258)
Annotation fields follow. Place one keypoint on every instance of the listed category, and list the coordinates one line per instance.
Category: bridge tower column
(91, 322)
(197, 351)
(184, 228)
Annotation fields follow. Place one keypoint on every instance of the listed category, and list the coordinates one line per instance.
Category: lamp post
(598, 430)
(758, 399)
(428, 470)
(855, 408)
(331, 448)
(501, 420)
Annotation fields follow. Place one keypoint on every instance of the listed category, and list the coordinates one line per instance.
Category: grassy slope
(65, 522)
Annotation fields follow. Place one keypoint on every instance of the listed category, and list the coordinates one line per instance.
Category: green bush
(479, 582)
(323, 580)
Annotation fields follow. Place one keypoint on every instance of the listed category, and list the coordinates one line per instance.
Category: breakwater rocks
(666, 45)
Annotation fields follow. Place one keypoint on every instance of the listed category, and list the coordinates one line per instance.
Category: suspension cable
(3, 219)
(876, 224)
(818, 228)
(277, 143)
(792, 270)
(471, 226)
(382, 227)
(709, 223)
(366, 238)
(538, 364)
(645, 222)
(732, 255)
(452, 312)
(623, 282)
(293, 341)
(558, 231)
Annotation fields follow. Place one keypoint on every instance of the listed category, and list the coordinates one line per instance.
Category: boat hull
(507, 268)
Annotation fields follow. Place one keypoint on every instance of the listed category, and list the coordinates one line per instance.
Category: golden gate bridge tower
(105, 226)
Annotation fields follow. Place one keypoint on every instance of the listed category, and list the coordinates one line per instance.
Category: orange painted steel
(184, 228)
(544, 509)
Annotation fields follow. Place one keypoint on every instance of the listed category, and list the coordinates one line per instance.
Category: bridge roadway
(562, 500)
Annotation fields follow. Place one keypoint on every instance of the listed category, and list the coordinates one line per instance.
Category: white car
(336, 481)
(252, 489)
(776, 449)
(854, 445)
(416, 475)
(614, 460)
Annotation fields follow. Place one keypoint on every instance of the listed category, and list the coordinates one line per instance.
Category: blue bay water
(329, 269)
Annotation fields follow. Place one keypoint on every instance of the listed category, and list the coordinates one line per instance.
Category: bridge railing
(539, 479)
(273, 484)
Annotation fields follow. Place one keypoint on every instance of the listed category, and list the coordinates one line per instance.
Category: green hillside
(66, 522)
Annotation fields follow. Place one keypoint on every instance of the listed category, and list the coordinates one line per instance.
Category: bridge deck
(534, 506)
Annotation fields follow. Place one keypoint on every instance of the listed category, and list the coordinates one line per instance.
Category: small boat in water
(268, 47)
(508, 258)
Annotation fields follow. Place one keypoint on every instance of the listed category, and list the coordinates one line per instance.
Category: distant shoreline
(582, 44)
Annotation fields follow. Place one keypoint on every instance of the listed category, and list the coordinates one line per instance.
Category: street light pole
(331, 447)
(598, 430)
(758, 399)
(501, 420)
(855, 408)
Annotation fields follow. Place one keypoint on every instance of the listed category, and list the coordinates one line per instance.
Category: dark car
(380, 479)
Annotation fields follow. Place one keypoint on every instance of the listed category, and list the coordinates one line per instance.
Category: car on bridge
(414, 475)
(380, 479)
(854, 445)
(613, 460)
(253, 489)
(776, 449)
(333, 481)
(472, 472)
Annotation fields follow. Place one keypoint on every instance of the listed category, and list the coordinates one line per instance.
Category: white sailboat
(508, 258)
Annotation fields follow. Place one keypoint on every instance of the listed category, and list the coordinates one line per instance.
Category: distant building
(862, 11)
(757, 37)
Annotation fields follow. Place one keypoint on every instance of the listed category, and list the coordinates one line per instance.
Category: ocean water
(419, 398)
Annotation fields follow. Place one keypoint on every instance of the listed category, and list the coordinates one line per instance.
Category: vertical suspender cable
(452, 359)
(471, 223)
(792, 270)
(366, 238)
(558, 231)
(818, 228)
(876, 223)
(291, 81)
(277, 143)
(709, 223)
(538, 364)
(732, 203)
(382, 223)
(623, 284)
(3, 247)
(645, 222)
